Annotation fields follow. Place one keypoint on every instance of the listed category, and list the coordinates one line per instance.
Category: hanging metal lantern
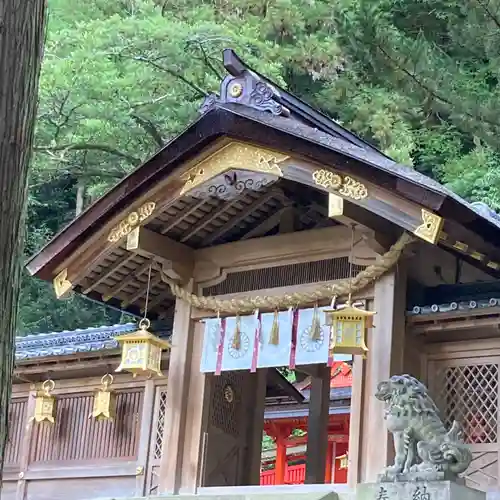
(45, 403)
(141, 351)
(348, 329)
(104, 401)
(344, 461)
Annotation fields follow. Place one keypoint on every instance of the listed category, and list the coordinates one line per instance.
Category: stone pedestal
(417, 490)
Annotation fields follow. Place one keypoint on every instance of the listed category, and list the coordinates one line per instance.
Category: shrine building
(268, 236)
(48, 455)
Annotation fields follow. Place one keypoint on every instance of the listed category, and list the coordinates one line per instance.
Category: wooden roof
(256, 158)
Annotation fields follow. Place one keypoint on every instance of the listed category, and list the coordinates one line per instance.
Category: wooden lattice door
(467, 390)
(156, 445)
(225, 436)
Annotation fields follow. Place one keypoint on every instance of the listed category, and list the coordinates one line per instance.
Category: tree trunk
(22, 29)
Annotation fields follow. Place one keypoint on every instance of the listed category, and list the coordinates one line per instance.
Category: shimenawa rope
(298, 299)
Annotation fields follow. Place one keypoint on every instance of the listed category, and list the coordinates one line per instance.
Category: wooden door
(467, 390)
(225, 436)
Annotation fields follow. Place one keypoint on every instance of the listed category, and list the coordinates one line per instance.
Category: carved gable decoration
(235, 156)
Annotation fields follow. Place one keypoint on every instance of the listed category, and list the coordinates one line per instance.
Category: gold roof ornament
(45, 404)
(141, 351)
(104, 401)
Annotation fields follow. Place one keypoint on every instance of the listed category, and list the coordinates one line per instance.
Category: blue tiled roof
(70, 342)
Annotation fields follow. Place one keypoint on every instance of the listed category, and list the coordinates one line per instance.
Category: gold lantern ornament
(45, 403)
(348, 329)
(141, 351)
(104, 401)
(344, 461)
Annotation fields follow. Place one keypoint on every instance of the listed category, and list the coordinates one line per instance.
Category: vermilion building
(285, 462)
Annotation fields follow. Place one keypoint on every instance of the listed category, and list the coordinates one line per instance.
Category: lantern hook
(48, 386)
(107, 380)
(144, 324)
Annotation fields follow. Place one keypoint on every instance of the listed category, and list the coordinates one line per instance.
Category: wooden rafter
(109, 271)
(233, 221)
(127, 281)
(142, 291)
(216, 212)
(179, 217)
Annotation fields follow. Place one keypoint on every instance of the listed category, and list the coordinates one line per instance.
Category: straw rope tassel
(315, 326)
(274, 336)
(339, 288)
(236, 344)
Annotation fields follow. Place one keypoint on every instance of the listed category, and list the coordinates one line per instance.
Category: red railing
(294, 474)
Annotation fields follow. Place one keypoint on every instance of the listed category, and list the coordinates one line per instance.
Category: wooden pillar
(280, 465)
(334, 461)
(317, 426)
(356, 421)
(145, 437)
(256, 402)
(385, 358)
(329, 462)
(196, 416)
(179, 379)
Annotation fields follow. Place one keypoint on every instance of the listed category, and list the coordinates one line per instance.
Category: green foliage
(417, 78)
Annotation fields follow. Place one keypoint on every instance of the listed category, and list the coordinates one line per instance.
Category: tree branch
(431, 91)
(89, 147)
(490, 14)
(150, 128)
(200, 92)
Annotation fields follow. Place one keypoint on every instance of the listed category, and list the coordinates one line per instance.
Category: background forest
(419, 79)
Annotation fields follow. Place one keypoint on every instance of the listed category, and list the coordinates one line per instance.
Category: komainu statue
(424, 449)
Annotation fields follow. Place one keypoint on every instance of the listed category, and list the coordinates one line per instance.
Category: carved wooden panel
(17, 423)
(75, 436)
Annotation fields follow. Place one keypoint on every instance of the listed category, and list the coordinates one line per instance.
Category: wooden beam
(378, 200)
(176, 258)
(278, 250)
(266, 225)
(287, 220)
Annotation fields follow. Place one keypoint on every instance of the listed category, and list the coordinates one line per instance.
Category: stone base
(420, 490)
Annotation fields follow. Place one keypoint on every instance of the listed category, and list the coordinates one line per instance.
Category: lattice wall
(75, 436)
(160, 424)
(467, 391)
(469, 394)
(17, 421)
